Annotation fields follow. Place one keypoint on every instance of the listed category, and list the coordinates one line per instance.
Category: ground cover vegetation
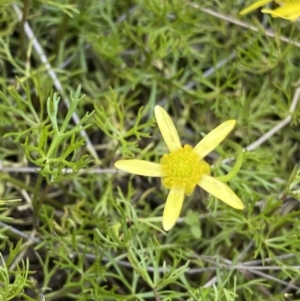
(86, 84)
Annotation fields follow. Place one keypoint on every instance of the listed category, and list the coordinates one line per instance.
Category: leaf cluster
(71, 227)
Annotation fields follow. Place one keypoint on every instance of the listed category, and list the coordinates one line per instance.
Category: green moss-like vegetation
(71, 226)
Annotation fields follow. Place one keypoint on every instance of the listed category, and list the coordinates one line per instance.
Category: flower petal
(214, 138)
(289, 11)
(173, 207)
(140, 167)
(254, 6)
(167, 129)
(220, 191)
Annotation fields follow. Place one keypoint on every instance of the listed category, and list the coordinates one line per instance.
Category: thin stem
(60, 33)
(22, 31)
(35, 199)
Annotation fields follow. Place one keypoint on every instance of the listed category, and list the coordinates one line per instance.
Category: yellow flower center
(183, 168)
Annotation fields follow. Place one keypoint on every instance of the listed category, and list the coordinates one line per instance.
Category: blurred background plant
(78, 84)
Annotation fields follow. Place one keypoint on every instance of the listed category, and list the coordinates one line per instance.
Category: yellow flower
(184, 168)
(289, 9)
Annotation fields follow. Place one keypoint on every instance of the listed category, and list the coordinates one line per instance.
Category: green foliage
(122, 127)
(74, 229)
(10, 270)
(48, 144)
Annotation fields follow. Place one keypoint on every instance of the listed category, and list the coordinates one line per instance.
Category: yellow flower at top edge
(183, 168)
(288, 9)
